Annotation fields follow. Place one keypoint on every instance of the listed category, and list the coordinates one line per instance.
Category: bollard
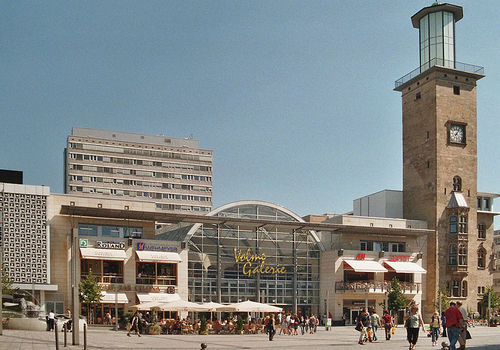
(65, 329)
(57, 334)
(84, 336)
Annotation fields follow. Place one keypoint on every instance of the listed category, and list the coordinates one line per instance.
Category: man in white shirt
(463, 330)
(52, 317)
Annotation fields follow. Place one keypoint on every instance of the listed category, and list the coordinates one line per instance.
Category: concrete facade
(173, 173)
(61, 227)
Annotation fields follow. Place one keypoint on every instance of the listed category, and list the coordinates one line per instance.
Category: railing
(465, 67)
(106, 278)
(157, 280)
(376, 286)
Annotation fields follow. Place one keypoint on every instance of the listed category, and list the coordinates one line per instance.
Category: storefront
(253, 255)
(363, 279)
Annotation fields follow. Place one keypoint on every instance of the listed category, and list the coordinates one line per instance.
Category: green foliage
(396, 298)
(90, 290)
(239, 324)
(490, 298)
(154, 329)
(445, 300)
(6, 282)
(203, 325)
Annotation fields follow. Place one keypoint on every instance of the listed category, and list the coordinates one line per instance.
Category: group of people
(289, 324)
(368, 324)
(453, 322)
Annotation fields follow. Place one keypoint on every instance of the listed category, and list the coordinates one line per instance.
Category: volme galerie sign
(155, 248)
(255, 263)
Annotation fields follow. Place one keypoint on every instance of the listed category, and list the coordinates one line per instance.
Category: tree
(493, 301)
(396, 298)
(6, 283)
(90, 292)
(445, 299)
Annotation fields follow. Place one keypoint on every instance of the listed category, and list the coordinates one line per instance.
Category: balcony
(457, 269)
(465, 67)
(376, 287)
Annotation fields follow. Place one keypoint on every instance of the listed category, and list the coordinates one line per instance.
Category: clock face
(457, 133)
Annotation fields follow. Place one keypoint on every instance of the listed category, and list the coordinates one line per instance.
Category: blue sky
(295, 98)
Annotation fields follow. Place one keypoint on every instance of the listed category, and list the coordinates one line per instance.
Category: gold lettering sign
(255, 263)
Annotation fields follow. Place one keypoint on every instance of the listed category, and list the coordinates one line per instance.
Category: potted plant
(493, 322)
(239, 325)
(203, 326)
(123, 320)
(154, 329)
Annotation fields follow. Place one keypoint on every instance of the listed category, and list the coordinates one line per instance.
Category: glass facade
(437, 40)
(232, 263)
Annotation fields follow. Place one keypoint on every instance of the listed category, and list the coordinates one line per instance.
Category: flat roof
(176, 218)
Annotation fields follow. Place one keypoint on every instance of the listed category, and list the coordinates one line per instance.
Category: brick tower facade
(440, 160)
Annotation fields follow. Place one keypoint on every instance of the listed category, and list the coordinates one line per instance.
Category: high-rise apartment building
(24, 236)
(440, 162)
(174, 173)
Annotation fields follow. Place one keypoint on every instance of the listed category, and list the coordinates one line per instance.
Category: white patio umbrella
(252, 306)
(149, 305)
(183, 305)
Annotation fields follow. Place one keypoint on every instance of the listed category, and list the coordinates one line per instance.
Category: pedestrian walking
(361, 323)
(435, 328)
(375, 322)
(388, 324)
(270, 328)
(134, 324)
(463, 330)
(454, 320)
(412, 322)
(302, 324)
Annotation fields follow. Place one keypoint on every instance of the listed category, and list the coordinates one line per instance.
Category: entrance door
(354, 315)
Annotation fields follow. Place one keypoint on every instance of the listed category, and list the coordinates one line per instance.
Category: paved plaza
(337, 338)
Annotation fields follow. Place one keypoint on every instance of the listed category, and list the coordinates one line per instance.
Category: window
(452, 255)
(481, 258)
(481, 232)
(456, 90)
(455, 288)
(418, 96)
(462, 225)
(462, 255)
(464, 289)
(457, 184)
(453, 224)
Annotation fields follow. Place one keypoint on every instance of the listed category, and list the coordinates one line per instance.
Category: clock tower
(440, 160)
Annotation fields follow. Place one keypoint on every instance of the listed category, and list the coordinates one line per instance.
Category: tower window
(456, 89)
(428, 164)
(462, 255)
(418, 96)
(457, 184)
(462, 224)
(481, 258)
(452, 255)
(481, 232)
(453, 224)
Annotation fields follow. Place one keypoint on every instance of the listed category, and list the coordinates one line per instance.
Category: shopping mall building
(247, 250)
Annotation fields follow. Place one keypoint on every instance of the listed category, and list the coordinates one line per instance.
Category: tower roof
(457, 200)
(457, 12)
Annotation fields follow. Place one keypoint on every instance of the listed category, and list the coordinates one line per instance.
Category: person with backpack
(134, 324)
(435, 326)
